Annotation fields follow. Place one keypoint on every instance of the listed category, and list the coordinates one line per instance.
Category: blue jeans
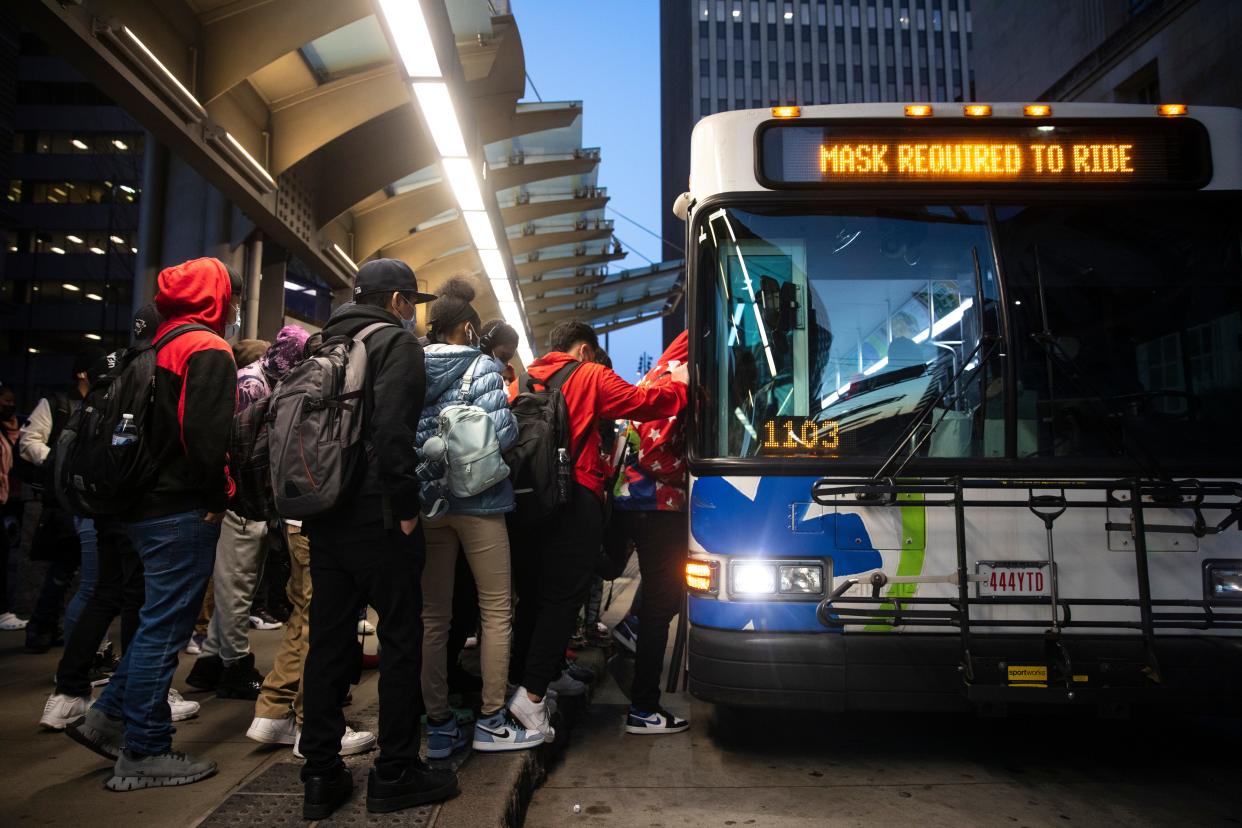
(178, 553)
(88, 573)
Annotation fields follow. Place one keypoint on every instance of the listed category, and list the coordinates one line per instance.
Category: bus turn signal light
(702, 576)
(977, 110)
(1037, 110)
(786, 111)
(1172, 110)
(918, 110)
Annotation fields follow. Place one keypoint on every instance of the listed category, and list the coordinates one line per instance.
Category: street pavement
(50, 780)
(772, 768)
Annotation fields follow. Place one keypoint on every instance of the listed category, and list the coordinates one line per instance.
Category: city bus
(966, 411)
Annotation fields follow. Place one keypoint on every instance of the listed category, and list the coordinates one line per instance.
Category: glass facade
(829, 51)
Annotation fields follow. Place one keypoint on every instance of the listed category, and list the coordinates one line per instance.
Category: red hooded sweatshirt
(594, 392)
(195, 393)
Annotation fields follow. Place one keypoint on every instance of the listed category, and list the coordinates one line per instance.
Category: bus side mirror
(681, 206)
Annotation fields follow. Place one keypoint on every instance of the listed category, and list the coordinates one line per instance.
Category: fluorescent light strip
(336, 248)
(151, 56)
(945, 322)
(253, 162)
(465, 186)
(494, 265)
(480, 226)
(441, 118)
(409, 30)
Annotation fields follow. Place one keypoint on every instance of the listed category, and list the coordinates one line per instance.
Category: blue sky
(607, 55)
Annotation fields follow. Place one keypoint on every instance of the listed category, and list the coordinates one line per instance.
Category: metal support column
(254, 279)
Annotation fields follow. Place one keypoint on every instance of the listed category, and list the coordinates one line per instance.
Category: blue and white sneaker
(501, 732)
(444, 738)
(626, 633)
(657, 723)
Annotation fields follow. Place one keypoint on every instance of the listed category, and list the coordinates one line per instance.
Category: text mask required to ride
(1068, 154)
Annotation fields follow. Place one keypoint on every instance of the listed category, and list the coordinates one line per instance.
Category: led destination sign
(1129, 153)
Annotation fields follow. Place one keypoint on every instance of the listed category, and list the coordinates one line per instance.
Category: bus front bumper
(926, 671)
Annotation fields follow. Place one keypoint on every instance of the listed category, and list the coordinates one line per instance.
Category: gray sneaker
(165, 769)
(99, 732)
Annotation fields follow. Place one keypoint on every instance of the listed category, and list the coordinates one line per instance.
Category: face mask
(409, 324)
(233, 328)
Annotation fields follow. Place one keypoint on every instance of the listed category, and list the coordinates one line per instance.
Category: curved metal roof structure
(353, 129)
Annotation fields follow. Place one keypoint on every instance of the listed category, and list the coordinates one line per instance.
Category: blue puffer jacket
(446, 366)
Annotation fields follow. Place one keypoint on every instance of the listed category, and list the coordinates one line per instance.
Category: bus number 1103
(790, 434)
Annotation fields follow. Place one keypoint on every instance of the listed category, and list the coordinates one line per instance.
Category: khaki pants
(485, 541)
(282, 688)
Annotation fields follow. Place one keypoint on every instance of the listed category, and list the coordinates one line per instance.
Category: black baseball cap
(386, 276)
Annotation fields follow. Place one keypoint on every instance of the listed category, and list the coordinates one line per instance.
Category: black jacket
(393, 401)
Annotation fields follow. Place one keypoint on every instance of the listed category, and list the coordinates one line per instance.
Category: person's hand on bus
(680, 374)
(408, 526)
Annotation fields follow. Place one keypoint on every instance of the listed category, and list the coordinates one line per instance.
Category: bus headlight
(1222, 581)
(802, 580)
(752, 579)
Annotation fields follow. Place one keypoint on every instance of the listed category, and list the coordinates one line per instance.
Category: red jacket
(654, 477)
(195, 393)
(595, 392)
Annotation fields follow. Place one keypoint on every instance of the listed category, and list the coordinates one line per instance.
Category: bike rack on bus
(1046, 500)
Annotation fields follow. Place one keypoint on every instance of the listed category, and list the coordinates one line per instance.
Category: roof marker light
(977, 110)
(1172, 110)
(1037, 110)
(786, 111)
(918, 110)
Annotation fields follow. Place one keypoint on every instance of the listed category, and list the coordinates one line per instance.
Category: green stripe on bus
(913, 550)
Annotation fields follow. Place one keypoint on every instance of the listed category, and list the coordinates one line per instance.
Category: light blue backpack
(473, 463)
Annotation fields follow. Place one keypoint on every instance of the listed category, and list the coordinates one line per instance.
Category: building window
(739, 69)
(705, 67)
(1143, 87)
(821, 14)
(888, 17)
(722, 65)
(756, 69)
(705, 107)
(702, 9)
(805, 15)
(936, 24)
(771, 12)
(754, 11)
(953, 20)
(722, 105)
(838, 15)
(808, 94)
(705, 85)
(720, 10)
(871, 16)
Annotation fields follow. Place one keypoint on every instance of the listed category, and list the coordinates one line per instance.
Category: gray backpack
(315, 427)
(472, 450)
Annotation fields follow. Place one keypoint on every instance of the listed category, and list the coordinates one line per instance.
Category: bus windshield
(864, 334)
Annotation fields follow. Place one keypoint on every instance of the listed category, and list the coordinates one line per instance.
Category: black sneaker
(417, 785)
(40, 641)
(658, 722)
(206, 672)
(240, 680)
(324, 793)
(104, 666)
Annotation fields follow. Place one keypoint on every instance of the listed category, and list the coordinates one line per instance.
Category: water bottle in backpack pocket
(103, 463)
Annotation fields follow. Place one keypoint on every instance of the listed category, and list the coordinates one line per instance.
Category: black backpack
(94, 478)
(249, 462)
(541, 460)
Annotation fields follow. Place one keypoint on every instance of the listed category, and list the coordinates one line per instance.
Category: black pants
(383, 567)
(49, 606)
(120, 590)
(553, 565)
(662, 540)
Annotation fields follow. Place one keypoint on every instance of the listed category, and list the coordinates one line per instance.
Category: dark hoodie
(195, 393)
(394, 388)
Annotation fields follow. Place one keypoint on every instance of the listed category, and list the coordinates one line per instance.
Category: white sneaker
(60, 711)
(195, 647)
(365, 627)
(472, 641)
(273, 731)
(567, 685)
(181, 708)
(10, 622)
(532, 715)
(352, 743)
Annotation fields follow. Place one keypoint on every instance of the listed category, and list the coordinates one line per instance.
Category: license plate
(1013, 578)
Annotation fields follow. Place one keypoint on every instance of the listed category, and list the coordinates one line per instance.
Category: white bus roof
(722, 146)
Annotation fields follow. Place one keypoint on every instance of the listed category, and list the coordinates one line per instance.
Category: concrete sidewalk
(50, 780)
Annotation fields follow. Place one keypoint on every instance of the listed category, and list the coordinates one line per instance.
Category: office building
(1123, 51)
